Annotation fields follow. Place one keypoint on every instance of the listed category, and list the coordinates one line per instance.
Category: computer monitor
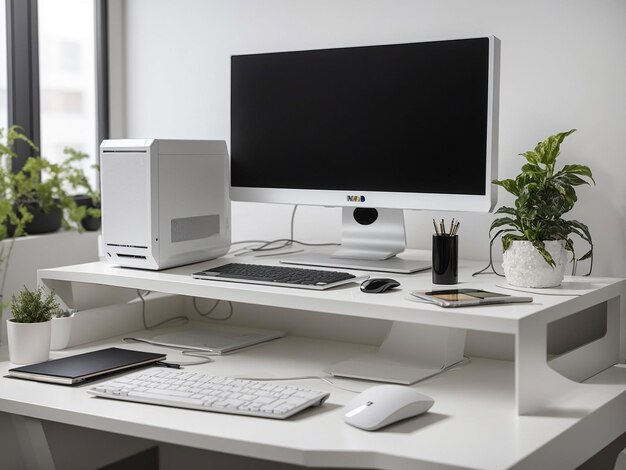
(373, 129)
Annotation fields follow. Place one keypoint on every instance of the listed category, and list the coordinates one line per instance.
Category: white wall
(563, 66)
(38, 252)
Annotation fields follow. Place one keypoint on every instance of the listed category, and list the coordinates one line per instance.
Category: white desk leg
(536, 384)
(589, 359)
(33, 443)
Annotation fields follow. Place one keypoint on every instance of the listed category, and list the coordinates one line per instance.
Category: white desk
(474, 423)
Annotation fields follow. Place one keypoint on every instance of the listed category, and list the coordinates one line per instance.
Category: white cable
(267, 245)
(210, 311)
(205, 355)
(178, 320)
(205, 351)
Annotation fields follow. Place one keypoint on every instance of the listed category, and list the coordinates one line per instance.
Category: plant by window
(543, 195)
(52, 185)
(8, 215)
(39, 184)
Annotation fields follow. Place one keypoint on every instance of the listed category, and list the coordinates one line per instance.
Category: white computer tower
(165, 203)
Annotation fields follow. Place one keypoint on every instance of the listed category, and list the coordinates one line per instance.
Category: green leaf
(549, 149)
(571, 179)
(531, 156)
(508, 184)
(541, 248)
(504, 221)
(509, 238)
(578, 170)
(531, 168)
(506, 210)
(574, 224)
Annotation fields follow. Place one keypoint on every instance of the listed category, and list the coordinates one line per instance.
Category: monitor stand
(408, 354)
(370, 241)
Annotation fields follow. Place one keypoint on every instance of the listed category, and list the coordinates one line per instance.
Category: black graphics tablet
(75, 369)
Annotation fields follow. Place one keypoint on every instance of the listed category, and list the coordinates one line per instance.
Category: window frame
(23, 74)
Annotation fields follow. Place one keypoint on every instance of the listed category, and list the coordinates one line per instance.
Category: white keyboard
(182, 389)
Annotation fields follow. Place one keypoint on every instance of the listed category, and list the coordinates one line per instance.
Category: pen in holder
(445, 254)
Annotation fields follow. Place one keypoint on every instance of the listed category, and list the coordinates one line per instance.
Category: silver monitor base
(370, 239)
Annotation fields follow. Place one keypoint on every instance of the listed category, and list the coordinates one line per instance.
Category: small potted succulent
(535, 236)
(29, 328)
(61, 329)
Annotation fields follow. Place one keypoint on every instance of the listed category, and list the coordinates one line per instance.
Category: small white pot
(60, 334)
(525, 267)
(28, 342)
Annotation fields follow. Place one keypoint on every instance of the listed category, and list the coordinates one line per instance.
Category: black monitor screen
(396, 118)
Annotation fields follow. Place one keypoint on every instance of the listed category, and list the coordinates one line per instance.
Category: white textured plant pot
(28, 342)
(60, 332)
(525, 267)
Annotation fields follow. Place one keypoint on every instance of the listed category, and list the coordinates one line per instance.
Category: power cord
(204, 355)
(266, 245)
(178, 320)
(212, 309)
(490, 265)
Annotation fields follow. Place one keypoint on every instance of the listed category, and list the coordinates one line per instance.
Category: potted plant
(46, 188)
(13, 219)
(39, 197)
(28, 331)
(535, 236)
(61, 329)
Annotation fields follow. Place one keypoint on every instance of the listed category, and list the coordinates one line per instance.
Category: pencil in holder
(445, 259)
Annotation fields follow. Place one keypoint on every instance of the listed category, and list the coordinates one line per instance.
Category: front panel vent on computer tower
(123, 255)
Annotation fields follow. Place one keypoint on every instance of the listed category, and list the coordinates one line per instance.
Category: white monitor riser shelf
(527, 322)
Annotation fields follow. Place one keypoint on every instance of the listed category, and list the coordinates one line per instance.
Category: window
(67, 80)
(57, 75)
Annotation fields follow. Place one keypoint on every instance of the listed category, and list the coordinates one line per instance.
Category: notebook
(80, 367)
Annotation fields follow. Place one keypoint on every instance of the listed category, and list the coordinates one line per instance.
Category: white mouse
(382, 405)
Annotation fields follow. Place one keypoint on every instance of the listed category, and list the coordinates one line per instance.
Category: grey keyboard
(182, 389)
(303, 278)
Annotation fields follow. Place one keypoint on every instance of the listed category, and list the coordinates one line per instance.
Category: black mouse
(379, 285)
